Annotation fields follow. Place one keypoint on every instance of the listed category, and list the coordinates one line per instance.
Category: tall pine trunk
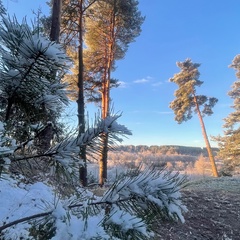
(80, 100)
(56, 20)
(106, 98)
(208, 146)
(104, 136)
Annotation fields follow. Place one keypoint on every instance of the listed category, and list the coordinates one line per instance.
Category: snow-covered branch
(124, 210)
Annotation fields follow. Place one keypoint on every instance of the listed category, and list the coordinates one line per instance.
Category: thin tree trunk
(106, 99)
(103, 160)
(80, 100)
(56, 20)
(208, 146)
(104, 137)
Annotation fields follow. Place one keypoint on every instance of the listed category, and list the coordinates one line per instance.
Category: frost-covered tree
(187, 101)
(30, 93)
(229, 144)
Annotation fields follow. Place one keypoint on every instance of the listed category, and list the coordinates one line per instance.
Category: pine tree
(72, 36)
(187, 100)
(113, 26)
(229, 144)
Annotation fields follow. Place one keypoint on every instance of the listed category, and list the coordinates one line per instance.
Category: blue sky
(205, 31)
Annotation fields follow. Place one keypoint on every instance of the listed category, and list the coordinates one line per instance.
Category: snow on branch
(31, 66)
(66, 153)
(157, 190)
(127, 209)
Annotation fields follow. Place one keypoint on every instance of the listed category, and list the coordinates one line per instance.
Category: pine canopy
(185, 102)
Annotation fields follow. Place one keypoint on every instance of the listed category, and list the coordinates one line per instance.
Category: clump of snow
(127, 222)
(19, 200)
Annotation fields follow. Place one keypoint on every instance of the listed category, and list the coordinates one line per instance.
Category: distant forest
(191, 160)
(165, 150)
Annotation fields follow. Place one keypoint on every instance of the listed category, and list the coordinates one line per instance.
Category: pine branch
(24, 220)
(18, 159)
(39, 215)
(100, 203)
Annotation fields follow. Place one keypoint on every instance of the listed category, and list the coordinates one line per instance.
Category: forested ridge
(165, 149)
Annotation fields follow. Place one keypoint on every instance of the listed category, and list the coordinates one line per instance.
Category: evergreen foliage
(229, 144)
(29, 91)
(149, 195)
(2, 9)
(185, 103)
(112, 26)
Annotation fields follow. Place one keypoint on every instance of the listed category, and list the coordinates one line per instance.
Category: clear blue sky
(205, 31)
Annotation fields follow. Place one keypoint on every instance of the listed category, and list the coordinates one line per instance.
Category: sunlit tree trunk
(115, 23)
(106, 98)
(208, 146)
(104, 136)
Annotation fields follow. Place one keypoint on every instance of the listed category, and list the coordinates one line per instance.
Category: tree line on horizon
(165, 149)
